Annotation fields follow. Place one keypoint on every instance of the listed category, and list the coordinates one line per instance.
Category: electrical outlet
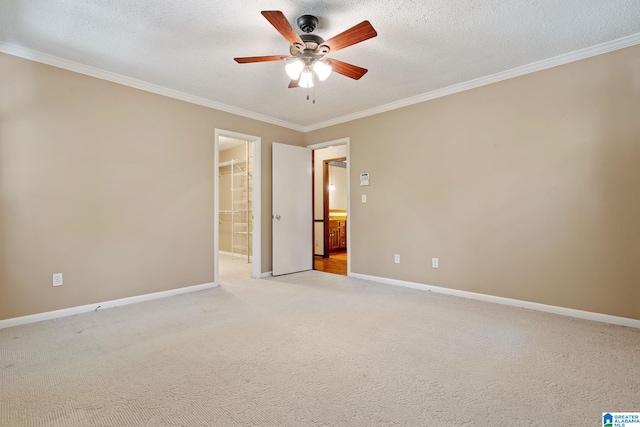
(57, 279)
(396, 258)
(434, 262)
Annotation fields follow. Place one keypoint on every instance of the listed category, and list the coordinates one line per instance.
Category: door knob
(276, 217)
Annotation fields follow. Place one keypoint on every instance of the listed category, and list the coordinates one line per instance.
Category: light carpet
(314, 349)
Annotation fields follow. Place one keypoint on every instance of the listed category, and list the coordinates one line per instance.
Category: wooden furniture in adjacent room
(337, 235)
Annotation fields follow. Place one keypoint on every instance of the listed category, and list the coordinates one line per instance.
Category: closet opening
(235, 209)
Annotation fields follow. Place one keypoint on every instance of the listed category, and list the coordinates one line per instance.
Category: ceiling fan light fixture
(322, 70)
(294, 69)
(307, 50)
(306, 78)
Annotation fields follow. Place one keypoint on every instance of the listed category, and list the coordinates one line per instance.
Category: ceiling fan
(307, 51)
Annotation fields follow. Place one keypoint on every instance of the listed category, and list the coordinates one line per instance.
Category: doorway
(236, 207)
(331, 207)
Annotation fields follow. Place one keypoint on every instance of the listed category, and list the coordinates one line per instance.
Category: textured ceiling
(422, 46)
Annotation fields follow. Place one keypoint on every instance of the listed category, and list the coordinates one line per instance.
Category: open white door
(291, 204)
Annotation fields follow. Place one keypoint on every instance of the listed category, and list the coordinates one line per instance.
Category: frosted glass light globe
(306, 79)
(322, 70)
(294, 69)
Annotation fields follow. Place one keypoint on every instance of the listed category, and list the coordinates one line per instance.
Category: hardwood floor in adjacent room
(335, 264)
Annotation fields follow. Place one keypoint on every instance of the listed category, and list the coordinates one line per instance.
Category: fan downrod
(307, 23)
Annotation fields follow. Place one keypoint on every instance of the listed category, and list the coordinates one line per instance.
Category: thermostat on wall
(364, 178)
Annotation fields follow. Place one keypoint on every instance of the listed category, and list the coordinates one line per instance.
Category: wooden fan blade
(348, 70)
(294, 83)
(250, 59)
(361, 32)
(280, 23)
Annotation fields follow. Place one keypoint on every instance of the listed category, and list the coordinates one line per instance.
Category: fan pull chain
(313, 93)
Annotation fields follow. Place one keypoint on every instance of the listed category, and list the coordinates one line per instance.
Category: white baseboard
(265, 275)
(598, 317)
(16, 321)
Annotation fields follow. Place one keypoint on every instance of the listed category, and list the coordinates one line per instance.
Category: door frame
(341, 141)
(256, 202)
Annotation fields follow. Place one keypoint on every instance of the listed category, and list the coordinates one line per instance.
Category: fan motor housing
(311, 39)
(311, 43)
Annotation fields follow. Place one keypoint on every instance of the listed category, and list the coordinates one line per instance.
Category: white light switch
(364, 198)
(434, 262)
(396, 258)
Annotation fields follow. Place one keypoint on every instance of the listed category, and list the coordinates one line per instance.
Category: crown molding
(567, 58)
(55, 61)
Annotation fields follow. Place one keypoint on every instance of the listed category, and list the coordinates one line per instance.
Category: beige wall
(112, 186)
(527, 189)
